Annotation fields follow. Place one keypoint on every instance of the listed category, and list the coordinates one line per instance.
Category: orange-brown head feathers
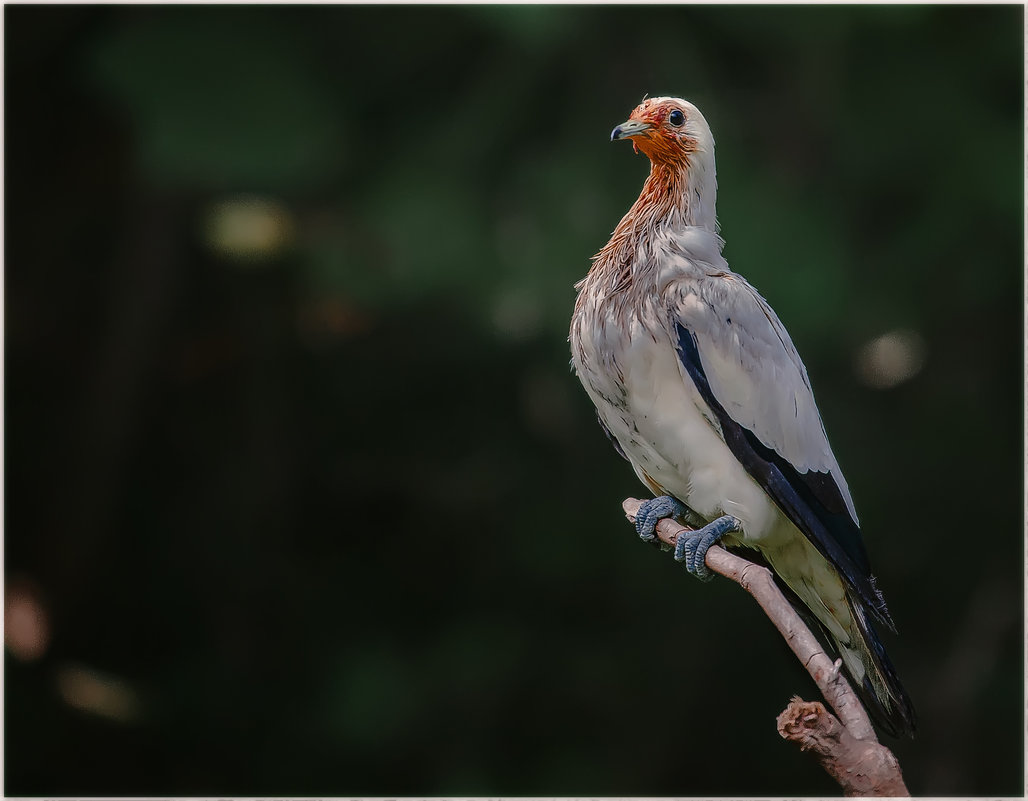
(668, 130)
(682, 184)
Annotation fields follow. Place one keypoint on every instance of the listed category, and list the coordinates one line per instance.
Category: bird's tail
(855, 640)
(874, 678)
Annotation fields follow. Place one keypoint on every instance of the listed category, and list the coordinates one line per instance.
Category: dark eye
(676, 118)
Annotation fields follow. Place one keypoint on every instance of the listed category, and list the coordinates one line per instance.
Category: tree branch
(848, 750)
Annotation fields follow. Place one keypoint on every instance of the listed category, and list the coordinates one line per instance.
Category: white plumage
(661, 280)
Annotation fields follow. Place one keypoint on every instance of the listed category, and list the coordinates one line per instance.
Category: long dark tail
(869, 668)
(881, 690)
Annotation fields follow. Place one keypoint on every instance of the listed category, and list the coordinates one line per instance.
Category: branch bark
(846, 747)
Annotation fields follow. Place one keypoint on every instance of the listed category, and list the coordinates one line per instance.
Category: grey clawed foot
(653, 511)
(692, 546)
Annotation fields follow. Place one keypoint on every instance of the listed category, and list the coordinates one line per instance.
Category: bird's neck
(677, 196)
(672, 198)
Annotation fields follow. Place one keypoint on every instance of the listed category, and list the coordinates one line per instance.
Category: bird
(699, 386)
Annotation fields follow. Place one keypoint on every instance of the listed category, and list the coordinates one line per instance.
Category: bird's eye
(676, 118)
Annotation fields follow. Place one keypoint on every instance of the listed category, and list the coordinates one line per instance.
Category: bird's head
(668, 130)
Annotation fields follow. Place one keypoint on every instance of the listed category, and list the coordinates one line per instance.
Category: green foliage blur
(301, 495)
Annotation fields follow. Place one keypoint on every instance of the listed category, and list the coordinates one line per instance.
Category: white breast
(664, 427)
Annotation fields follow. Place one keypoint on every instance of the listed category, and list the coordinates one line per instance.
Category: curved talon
(692, 547)
(653, 511)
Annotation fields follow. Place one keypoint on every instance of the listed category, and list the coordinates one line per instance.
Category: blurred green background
(301, 495)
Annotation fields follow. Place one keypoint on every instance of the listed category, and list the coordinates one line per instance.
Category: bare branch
(861, 767)
(848, 750)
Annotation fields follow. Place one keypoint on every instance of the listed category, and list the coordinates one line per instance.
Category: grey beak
(627, 130)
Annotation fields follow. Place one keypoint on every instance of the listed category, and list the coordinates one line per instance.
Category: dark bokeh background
(301, 496)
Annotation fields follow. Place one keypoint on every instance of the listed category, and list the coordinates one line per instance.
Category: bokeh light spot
(90, 691)
(889, 360)
(26, 623)
(248, 229)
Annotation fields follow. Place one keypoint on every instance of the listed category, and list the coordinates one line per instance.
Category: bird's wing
(741, 359)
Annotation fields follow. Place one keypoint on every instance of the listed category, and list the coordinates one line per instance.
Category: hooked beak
(627, 130)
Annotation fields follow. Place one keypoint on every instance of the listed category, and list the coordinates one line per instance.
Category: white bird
(698, 384)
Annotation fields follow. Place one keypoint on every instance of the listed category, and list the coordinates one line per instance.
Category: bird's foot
(692, 546)
(653, 511)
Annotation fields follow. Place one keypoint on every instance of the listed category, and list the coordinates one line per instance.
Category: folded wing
(742, 361)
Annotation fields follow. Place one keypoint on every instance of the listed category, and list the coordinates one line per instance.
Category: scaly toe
(689, 551)
(692, 548)
(653, 511)
(685, 548)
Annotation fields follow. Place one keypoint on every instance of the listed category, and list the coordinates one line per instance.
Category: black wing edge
(811, 500)
(896, 715)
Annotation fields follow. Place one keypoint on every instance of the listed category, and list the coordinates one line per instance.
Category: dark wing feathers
(812, 500)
